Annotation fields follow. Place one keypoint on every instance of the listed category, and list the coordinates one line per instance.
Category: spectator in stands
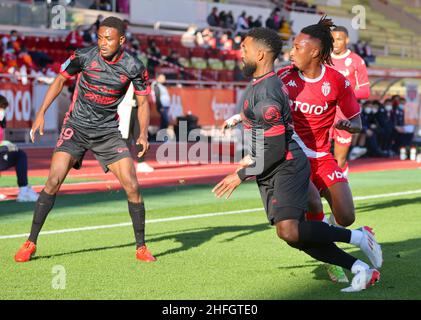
(74, 39)
(270, 22)
(11, 156)
(213, 18)
(369, 58)
(242, 24)
(10, 58)
(106, 5)
(154, 56)
(96, 5)
(258, 22)
(123, 6)
(188, 39)
(24, 58)
(225, 42)
(209, 41)
(384, 120)
(285, 29)
(162, 99)
(401, 135)
(173, 60)
(230, 20)
(89, 35)
(14, 39)
(359, 49)
(98, 20)
(236, 45)
(371, 129)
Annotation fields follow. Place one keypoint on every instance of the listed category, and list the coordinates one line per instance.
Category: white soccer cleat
(27, 194)
(357, 152)
(362, 280)
(370, 247)
(144, 167)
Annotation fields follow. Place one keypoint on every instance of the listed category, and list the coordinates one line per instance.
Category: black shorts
(107, 148)
(285, 194)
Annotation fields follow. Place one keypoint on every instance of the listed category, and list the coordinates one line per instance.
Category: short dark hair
(269, 38)
(3, 100)
(113, 22)
(322, 31)
(341, 29)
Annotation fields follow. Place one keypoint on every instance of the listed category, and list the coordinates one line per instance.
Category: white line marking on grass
(195, 216)
(125, 224)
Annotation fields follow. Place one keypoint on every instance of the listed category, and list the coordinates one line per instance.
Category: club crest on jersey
(348, 62)
(347, 83)
(326, 88)
(271, 114)
(94, 64)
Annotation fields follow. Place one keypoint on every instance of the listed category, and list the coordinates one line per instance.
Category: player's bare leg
(341, 154)
(340, 200)
(61, 164)
(125, 172)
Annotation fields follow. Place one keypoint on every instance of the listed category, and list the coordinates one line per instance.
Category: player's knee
(346, 219)
(131, 187)
(287, 233)
(52, 185)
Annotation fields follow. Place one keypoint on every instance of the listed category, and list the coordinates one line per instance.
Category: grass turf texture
(10, 181)
(221, 257)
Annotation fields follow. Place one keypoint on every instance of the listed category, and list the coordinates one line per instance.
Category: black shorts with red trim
(285, 193)
(107, 149)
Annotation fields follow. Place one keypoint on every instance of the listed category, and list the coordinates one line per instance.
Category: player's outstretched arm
(53, 91)
(143, 115)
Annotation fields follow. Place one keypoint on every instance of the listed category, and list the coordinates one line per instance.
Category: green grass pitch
(232, 256)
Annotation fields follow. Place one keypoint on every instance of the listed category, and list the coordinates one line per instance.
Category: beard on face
(249, 69)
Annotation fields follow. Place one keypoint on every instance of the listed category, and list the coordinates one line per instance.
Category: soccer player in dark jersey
(283, 178)
(104, 72)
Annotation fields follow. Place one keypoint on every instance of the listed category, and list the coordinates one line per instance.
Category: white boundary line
(194, 216)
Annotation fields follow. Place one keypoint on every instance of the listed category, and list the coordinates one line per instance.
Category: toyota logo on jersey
(271, 114)
(305, 107)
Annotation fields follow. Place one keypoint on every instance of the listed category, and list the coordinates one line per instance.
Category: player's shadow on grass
(189, 239)
(193, 238)
(388, 204)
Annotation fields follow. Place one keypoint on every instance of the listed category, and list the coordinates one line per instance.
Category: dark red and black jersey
(101, 86)
(267, 119)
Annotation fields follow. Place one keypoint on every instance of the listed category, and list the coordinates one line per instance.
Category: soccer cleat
(362, 280)
(336, 273)
(357, 152)
(27, 194)
(26, 252)
(370, 247)
(142, 253)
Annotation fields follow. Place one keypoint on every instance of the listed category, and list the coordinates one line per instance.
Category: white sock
(356, 237)
(358, 266)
